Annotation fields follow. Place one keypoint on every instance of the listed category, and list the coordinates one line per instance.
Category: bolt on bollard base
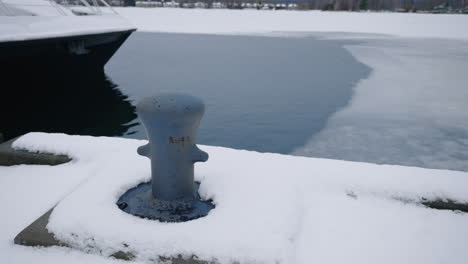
(171, 122)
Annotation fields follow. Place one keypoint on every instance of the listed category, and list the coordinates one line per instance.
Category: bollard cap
(172, 104)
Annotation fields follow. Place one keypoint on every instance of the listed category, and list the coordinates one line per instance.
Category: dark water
(89, 104)
(269, 94)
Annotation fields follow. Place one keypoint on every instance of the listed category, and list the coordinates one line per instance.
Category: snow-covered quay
(270, 208)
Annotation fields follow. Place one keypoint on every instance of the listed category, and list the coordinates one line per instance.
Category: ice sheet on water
(225, 21)
(411, 110)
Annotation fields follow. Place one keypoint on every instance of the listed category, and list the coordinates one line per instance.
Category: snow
(270, 208)
(48, 22)
(224, 21)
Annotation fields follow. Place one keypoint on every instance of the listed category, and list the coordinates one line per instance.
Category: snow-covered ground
(270, 208)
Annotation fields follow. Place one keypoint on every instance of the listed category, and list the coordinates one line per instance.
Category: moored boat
(52, 61)
(43, 36)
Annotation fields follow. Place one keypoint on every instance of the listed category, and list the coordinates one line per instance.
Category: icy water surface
(412, 110)
(268, 94)
(294, 95)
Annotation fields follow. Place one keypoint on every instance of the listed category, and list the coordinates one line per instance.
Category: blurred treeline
(376, 5)
(352, 5)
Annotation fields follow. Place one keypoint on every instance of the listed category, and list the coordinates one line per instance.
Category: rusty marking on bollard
(173, 140)
(171, 122)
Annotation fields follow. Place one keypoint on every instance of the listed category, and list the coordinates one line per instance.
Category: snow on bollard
(171, 122)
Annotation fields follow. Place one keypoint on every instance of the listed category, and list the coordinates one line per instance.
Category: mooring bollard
(171, 122)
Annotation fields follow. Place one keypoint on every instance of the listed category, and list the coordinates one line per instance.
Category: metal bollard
(171, 122)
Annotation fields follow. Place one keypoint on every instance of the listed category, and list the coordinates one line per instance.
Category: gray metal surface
(171, 122)
(10, 156)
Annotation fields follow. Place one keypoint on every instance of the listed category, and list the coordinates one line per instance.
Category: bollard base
(139, 201)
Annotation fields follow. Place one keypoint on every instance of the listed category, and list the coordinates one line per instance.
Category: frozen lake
(268, 94)
(370, 98)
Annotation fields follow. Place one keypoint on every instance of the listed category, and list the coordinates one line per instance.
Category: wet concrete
(10, 156)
